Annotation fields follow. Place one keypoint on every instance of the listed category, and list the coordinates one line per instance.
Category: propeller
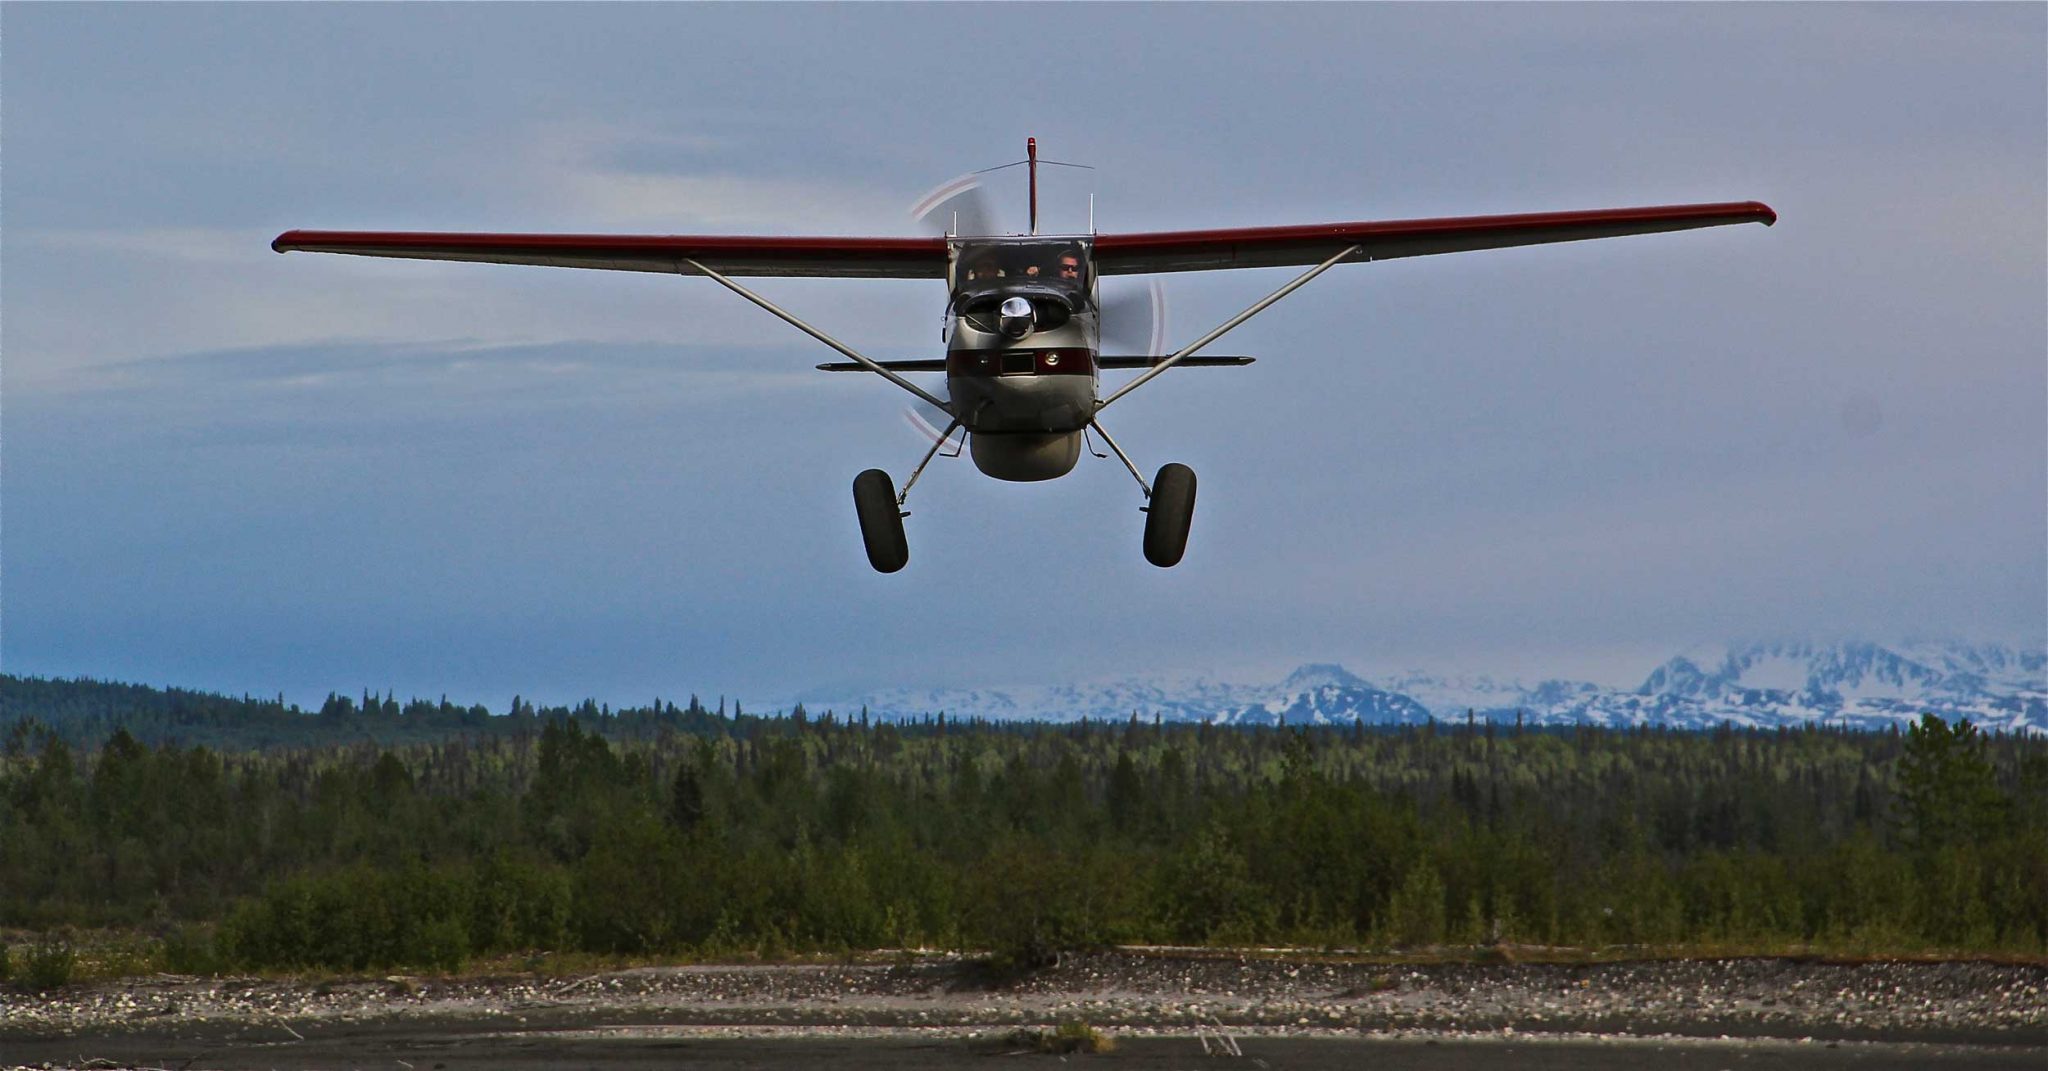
(1134, 318)
(956, 207)
(929, 420)
(1133, 314)
(959, 207)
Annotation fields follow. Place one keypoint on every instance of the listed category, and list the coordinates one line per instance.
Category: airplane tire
(1168, 516)
(881, 523)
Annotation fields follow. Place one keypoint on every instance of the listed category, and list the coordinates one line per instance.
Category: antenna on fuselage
(1031, 154)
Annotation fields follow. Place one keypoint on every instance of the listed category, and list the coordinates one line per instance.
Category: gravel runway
(1164, 1009)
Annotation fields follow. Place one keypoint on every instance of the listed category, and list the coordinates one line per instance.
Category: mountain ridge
(1758, 684)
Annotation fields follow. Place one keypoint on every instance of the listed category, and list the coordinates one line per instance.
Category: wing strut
(1227, 325)
(821, 336)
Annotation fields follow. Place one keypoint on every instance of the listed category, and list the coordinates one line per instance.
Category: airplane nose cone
(1016, 317)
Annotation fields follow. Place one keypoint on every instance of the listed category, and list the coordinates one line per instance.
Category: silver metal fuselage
(1023, 398)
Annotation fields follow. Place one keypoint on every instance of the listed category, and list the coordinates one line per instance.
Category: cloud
(361, 384)
(106, 296)
(640, 175)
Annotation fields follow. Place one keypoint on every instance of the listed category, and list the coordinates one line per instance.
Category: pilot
(1070, 266)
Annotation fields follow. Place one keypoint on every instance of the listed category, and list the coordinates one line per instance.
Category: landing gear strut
(1169, 505)
(880, 507)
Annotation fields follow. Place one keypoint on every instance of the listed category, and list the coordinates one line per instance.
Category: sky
(223, 468)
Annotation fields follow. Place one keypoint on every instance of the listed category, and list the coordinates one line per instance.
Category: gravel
(1136, 992)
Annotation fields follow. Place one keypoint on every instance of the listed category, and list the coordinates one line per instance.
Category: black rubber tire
(881, 524)
(1169, 514)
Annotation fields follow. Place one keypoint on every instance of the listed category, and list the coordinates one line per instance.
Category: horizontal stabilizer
(939, 364)
(934, 365)
(1185, 362)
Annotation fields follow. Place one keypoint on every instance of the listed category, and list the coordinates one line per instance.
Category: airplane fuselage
(1021, 351)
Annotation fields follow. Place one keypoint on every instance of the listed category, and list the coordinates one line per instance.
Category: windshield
(985, 265)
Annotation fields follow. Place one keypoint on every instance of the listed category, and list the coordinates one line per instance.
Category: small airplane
(1023, 357)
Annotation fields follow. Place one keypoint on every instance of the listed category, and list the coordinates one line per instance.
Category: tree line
(744, 836)
(86, 712)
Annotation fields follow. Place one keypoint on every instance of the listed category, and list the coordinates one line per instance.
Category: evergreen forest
(242, 834)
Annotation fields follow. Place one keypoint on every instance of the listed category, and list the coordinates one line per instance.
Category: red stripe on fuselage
(1056, 361)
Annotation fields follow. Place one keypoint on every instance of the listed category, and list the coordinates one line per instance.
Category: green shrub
(49, 964)
(517, 905)
(1070, 1037)
(353, 920)
(442, 944)
(1415, 914)
(1080, 1037)
(1034, 906)
(191, 950)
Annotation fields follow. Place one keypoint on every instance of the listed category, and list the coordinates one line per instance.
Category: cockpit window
(1061, 265)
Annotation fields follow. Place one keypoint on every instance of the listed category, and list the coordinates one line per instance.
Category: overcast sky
(228, 469)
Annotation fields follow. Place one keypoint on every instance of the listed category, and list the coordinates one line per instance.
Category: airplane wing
(858, 258)
(1265, 247)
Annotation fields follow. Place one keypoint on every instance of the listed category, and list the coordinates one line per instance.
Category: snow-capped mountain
(1756, 684)
(1777, 683)
(1326, 694)
(1312, 695)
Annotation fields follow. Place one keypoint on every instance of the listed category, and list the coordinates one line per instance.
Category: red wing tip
(1764, 214)
(284, 243)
